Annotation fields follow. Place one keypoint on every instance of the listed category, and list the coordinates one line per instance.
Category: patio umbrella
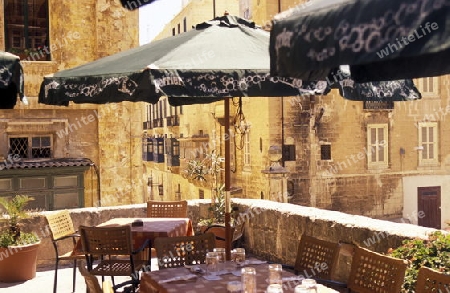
(226, 57)
(379, 39)
(219, 59)
(11, 80)
(135, 4)
(374, 91)
(379, 91)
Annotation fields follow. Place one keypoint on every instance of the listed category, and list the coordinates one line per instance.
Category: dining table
(189, 280)
(143, 229)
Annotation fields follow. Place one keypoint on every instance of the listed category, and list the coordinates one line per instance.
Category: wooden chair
(92, 284)
(316, 258)
(167, 209)
(61, 227)
(219, 231)
(177, 251)
(374, 272)
(113, 247)
(429, 280)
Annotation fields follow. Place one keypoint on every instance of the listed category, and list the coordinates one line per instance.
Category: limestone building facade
(80, 155)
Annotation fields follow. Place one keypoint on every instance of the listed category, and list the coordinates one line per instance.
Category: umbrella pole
(227, 181)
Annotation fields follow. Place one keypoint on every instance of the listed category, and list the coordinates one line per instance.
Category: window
(31, 147)
(26, 29)
(247, 160)
(52, 188)
(428, 86)
(377, 145)
(378, 105)
(428, 141)
(325, 152)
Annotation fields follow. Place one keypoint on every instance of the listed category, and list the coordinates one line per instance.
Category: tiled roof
(44, 163)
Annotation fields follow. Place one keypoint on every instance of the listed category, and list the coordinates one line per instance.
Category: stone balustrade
(272, 229)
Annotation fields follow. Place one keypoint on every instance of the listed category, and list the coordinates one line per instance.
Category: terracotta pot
(219, 231)
(18, 263)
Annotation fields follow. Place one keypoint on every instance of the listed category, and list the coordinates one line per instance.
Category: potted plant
(18, 250)
(208, 171)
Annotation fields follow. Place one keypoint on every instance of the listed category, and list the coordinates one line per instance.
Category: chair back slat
(429, 280)
(178, 251)
(60, 224)
(106, 240)
(316, 257)
(375, 272)
(167, 209)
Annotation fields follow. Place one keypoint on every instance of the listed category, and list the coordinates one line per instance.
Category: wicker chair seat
(117, 267)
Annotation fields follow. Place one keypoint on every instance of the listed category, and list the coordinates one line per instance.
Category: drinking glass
(274, 288)
(221, 254)
(239, 256)
(310, 284)
(301, 289)
(248, 280)
(275, 274)
(234, 287)
(212, 262)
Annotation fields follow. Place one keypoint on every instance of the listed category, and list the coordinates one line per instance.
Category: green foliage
(199, 170)
(15, 211)
(8, 239)
(433, 253)
(15, 208)
(217, 209)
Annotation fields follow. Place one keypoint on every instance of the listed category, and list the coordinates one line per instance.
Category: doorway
(429, 203)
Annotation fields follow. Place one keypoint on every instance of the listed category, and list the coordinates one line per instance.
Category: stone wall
(272, 229)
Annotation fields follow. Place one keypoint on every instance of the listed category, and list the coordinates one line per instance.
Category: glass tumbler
(274, 288)
(239, 256)
(248, 280)
(301, 289)
(212, 263)
(221, 254)
(275, 271)
(311, 284)
(234, 287)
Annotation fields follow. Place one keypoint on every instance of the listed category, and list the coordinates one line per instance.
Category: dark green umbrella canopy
(374, 91)
(11, 80)
(225, 57)
(135, 4)
(379, 39)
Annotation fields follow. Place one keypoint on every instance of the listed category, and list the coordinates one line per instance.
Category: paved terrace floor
(43, 282)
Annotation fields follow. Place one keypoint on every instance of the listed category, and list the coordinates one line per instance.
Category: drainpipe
(97, 172)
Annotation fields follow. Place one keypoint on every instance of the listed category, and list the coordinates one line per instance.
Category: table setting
(244, 275)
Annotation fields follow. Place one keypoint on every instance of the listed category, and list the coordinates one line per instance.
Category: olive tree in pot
(210, 169)
(18, 250)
